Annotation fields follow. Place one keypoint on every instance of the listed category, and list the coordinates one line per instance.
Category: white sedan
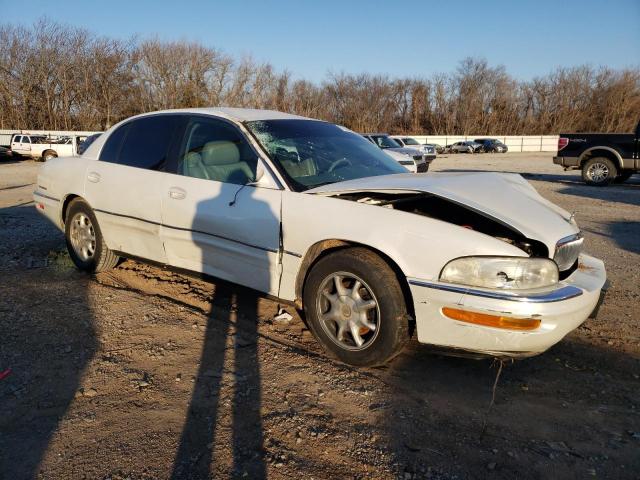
(318, 216)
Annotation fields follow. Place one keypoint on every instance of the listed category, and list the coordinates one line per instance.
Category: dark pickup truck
(603, 157)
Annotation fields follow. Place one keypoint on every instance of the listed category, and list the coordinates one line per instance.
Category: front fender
(420, 246)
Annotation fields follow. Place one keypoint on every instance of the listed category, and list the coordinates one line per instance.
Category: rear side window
(112, 146)
(142, 143)
(26, 140)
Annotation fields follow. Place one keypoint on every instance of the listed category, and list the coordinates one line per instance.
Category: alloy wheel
(598, 172)
(82, 236)
(348, 310)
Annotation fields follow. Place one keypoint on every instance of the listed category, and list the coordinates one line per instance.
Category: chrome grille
(567, 251)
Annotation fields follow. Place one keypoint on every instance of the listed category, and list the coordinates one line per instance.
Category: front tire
(599, 171)
(85, 243)
(355, 307)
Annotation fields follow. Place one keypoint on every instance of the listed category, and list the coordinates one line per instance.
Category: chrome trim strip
(563, 293)
(183, 229)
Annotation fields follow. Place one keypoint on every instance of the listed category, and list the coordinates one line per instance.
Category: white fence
(527, 143)
(5, 135)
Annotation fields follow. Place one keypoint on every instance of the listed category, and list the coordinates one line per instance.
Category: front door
(214, 220)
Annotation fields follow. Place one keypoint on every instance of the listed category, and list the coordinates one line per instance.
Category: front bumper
(560, 311)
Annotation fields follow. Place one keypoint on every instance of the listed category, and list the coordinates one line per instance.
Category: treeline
(58, 77)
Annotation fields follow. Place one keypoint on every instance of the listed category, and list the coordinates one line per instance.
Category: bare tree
(54, 76)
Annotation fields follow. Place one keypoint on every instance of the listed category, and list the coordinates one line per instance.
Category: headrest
(221, 152)
(192, 157)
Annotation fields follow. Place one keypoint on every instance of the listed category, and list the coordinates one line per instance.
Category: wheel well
(44, 152)
(600, 152)
(65, 205)
(325, 247)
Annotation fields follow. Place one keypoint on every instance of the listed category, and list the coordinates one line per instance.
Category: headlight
(501, 272)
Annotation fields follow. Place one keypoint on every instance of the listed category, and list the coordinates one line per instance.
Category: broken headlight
(518, 273)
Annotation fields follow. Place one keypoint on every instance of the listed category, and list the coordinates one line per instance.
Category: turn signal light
(495, 321)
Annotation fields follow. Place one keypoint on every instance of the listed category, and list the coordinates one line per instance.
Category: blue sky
(401, 38)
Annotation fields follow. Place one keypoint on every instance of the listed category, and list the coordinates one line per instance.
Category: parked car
(86, 142)
(439, 148)
(491, 145)
(412, 159)
(603, 157)
(40, 147)
(426, 148)
(315, 215)
(463, 147)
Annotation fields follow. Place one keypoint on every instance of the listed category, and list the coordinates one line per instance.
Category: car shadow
(566, 178)
(440, 419)
(628, 192)
(46, 349)
(624, 234)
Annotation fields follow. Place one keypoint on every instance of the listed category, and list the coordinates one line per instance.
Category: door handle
(93, 177)
(177, 193)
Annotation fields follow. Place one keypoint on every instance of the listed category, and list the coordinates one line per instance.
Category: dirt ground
(140, 373)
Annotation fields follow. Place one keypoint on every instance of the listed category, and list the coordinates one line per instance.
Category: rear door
(125, 186)
(215, 220)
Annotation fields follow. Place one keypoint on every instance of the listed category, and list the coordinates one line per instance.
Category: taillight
(562, 142)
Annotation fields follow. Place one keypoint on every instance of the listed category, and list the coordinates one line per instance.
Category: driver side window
(214, 150)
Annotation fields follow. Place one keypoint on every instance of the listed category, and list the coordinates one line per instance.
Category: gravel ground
(140, 373)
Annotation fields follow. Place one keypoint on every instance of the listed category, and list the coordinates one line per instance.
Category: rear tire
(85, 242)
(355, 307)
(599, 171)
(48, 155)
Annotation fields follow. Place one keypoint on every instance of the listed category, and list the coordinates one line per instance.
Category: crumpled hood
(507, 197)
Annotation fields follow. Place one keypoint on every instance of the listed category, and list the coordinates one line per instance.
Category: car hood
(404, 151)
(507, 197)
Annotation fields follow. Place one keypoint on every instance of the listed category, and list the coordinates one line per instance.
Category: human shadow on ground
(230, 351)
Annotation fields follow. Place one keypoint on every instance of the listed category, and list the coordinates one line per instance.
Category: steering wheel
(341, 162)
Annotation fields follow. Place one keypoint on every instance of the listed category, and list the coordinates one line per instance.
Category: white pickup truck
(40, 147)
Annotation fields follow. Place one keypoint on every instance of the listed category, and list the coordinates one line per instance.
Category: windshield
(410, 141)
(313, 153)
(384, 141)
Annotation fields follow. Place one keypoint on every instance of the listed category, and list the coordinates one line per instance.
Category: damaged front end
(488, 299)
(446, 210)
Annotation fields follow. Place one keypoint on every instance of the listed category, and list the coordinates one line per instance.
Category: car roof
(378, 133)
(235, 114)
